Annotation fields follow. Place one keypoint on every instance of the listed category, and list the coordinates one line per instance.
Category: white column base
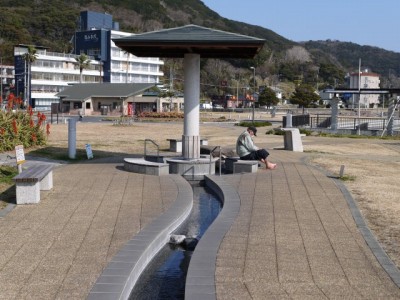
(191, 147)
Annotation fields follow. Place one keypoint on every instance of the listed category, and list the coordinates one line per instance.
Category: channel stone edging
(200, 279)
(121, 274)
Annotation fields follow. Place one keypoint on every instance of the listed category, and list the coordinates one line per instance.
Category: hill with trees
(51, 23)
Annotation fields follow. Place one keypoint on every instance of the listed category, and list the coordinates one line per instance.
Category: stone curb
(200, 279)
(121, 274)
(380, 254)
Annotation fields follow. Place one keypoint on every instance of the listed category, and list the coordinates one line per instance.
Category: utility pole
(254, 93)
(1, 77)
(359, 96)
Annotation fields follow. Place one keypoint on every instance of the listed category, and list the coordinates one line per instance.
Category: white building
(6, 80)
(51, 72)
(367, 80)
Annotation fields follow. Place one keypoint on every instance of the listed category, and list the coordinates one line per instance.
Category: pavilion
(191, 42)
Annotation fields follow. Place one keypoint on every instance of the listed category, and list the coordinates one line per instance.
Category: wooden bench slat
(33, 174)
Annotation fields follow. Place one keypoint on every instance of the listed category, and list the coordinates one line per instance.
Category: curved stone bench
(121, 274)
(142, 166)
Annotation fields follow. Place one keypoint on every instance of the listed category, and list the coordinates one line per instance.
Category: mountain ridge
(51, 23)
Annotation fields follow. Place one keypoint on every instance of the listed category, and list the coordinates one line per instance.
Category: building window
(87, 105)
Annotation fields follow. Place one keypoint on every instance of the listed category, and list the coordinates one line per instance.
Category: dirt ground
(372, 164)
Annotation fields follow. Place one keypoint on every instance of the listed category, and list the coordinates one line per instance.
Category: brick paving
(294, 238)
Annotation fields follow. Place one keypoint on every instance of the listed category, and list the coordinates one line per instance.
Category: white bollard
(72, 138)
(341, 172)
(288, 120)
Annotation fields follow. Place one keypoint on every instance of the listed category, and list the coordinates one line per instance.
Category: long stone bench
(142, 166)
(31, 181)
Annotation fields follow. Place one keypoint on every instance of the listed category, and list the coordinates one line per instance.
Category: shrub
(17, 127)
(159, 115)
(255, 123)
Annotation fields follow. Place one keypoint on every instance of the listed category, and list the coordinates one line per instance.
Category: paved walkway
(294, 237)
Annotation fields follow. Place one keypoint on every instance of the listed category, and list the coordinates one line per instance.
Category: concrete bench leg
(47, 182)
(28, 192)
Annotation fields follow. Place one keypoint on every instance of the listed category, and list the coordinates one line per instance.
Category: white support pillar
(190, 137)
(72, 138)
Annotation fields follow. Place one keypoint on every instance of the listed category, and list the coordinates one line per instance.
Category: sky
(364, 22)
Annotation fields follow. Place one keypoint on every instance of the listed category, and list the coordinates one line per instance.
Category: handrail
(211, 152)
(154, 143)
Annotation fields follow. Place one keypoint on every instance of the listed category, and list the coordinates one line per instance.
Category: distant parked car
(205, 106)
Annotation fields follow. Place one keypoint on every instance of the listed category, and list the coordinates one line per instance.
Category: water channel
(164, 277)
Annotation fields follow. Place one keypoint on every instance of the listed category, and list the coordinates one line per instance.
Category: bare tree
(297, 54)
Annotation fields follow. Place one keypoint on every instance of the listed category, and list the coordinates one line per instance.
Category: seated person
(247, 150)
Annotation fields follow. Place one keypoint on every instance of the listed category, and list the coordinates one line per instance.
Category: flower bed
(21, 127)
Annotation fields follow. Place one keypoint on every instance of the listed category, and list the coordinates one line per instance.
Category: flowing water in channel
(165, 276)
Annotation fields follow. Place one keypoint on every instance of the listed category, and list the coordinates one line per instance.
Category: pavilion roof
(176, 42)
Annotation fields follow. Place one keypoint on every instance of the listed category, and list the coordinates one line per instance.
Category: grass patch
(7, 191)
(347, 178)
(7, 173)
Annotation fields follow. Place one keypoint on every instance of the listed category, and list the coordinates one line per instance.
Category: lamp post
(254, 92)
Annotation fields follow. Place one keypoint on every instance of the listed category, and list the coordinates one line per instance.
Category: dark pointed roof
(176, 42)
(84, 91)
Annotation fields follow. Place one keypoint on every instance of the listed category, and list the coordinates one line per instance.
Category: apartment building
(52, 72)
(6, 79)
(366, 80)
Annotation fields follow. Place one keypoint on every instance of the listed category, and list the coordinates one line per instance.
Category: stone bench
(175, 145)
(292, 139)
(31, 181)
(142, 166)
(245, 166)
(236, 165)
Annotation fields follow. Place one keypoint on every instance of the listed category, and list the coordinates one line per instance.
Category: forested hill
(51, 23)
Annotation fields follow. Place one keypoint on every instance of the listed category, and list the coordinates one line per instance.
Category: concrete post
(191, 138)
(391, 108)
(334, 113)
(288, 120)
(72, 138)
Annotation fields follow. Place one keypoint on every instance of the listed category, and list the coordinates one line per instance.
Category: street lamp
(254, 92)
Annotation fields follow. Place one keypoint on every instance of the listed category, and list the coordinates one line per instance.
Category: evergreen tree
(304, 95)
(268, 97)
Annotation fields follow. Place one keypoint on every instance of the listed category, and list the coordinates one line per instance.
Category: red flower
(15, 127)
(2, 131)
(10, 99)
(48, 128)
(31, 124)
(34, 137)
